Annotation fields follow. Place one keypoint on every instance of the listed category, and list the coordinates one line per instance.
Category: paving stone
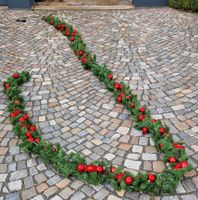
(28, 194)
(15, 185)
(12, 196)
(132, 164)
(66, 193)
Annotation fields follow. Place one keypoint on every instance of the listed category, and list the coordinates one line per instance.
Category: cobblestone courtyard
(155, 51)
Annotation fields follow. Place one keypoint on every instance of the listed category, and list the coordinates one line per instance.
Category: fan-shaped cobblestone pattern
(71, 107)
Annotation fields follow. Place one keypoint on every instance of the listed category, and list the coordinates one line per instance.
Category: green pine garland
(73, 165)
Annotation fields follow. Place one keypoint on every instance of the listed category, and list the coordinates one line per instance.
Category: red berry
(178, 166)
(141, 117)
(184, 164)
(178, 146)
(7, 86)
(127, 97)
(172, 159)
(162, 130)
(113, 169)
(54, 149)
(21, 119)
(118, 177)
(93, 168)
(84, 60)
(32, 128)
(28, 134)
(151, 178)
(142, 109)
(119, 99)
(153, 120)
(99, 169)
(72, 39)
(128, 180)
(132, 105)
(80, 53)
(110, 76)
(31, 139)
(120, 86)
(144, 130)
(116, 85)
(80, 167)
(15, 75)
(37, 140)
(25, 116)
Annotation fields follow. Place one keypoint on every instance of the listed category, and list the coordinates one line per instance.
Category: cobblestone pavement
(155, 51)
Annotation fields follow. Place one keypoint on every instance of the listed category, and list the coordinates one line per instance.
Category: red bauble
(99, 169)
(32, 128)
(31, 139)
(141, 117)
(72, 39)
(37, 140)
(25, 117)
(110, 76)
(113, 169)
(178, 146)
(93, 168)
(118, 177)
(12, 115)
(132, 105)
(21, 119)
(161, 130)
(153, 120)
(62, 27)
(80, 53)
(7, 85)
(15, 75)
(142, 109)
(73, 34)
(128, 180)
(172, 159)
(160, 145)
(178, 166)
(151, 178)
(28, 134)
(80, 168)
(54, 149)
(144, 130)
(58, 26)
(84, 60)
(89, 168)
(120, 87)
(184, 164)
(116, 85)
(119, 99)
(67, 32)
(127, 97)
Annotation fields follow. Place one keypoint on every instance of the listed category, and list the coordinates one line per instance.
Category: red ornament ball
(116, 85)
(162, 130)
(132, 105)
(80, 53)
(128, 180)
(113, 169)
(80, 168)
(32, 128)
(110, 76)
(72, 39)
(31, 139)
(153, 120)
(127, 97)
(7, 85)
(28, 134)
(119, 99)
(99, 169)
(15, 75)
(37, 140)
(184, 164)
(84, 60)
(142, 109)
(141, 117)
(118, 177)
(151, 178)
(172, 159)
(144, 130)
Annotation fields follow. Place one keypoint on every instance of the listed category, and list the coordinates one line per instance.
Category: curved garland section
(73, 165)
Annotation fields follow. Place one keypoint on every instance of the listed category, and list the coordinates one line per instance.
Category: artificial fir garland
(73, 165)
